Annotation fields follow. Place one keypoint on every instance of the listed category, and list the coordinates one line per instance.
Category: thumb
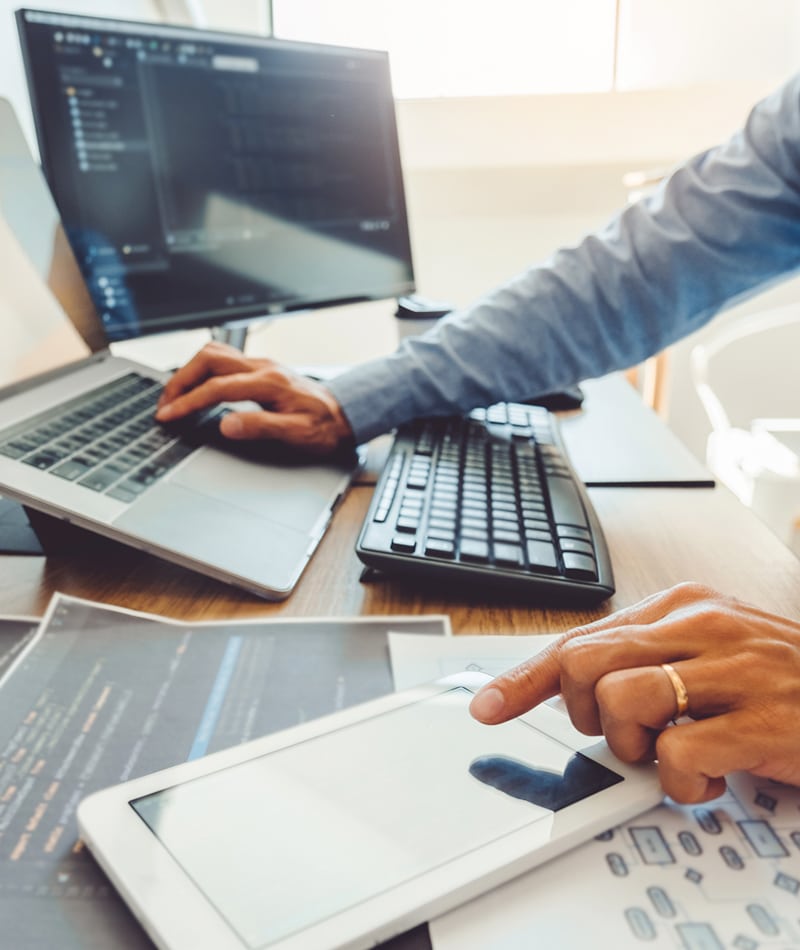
(252, 425)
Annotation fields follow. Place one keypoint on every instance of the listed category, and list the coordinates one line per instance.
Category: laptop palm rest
(232, 539)
(293, 496)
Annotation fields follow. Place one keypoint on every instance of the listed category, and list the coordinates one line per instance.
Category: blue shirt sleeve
(723, 224)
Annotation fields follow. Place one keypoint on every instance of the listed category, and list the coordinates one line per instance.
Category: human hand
(740, 666)
(295, 409)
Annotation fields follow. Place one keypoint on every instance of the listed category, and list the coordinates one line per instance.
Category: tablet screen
(289, 838)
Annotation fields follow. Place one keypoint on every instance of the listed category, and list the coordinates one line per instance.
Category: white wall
(668, 43)
(241, 16)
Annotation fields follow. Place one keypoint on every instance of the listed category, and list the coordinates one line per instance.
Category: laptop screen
(206, 178)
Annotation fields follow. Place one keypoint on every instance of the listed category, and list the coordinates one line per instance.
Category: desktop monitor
(208, 178)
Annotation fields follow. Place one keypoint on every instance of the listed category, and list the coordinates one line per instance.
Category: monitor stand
(235, 332)
(231, 333)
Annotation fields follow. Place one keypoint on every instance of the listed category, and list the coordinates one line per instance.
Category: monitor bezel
(233, 318)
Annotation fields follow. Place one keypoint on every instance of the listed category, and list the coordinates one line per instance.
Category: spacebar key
(566, 502)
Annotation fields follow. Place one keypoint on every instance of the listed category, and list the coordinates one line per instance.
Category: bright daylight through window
(469, 47)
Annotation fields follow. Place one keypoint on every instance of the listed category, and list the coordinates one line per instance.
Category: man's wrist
(339, 427)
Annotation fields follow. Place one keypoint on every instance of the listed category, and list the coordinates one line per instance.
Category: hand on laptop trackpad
(202, 428)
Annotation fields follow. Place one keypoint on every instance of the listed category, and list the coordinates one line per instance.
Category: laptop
(77, 438)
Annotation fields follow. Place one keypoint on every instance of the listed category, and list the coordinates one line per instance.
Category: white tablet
(352, 828)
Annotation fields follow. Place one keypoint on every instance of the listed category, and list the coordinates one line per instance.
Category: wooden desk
(657, 538)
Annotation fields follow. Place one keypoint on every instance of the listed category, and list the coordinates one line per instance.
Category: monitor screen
(205, 178)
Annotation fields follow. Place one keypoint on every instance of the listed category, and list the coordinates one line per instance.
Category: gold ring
(681, 696)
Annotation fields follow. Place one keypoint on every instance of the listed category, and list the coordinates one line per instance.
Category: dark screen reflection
(581, 778)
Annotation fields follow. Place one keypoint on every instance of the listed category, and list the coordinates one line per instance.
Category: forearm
(724, 224)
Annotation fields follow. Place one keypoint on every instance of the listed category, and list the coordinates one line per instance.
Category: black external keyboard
(488, 500)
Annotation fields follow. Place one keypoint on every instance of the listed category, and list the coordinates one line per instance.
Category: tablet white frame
(177, 915)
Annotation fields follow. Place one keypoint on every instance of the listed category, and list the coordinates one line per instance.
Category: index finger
(519, 689)
(212, 360)
(601, 647)
(530, 683)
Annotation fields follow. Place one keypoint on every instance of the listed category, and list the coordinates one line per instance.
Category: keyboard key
(536, 524)
(474, 550)
(447, 523)
(502, 524)
(407, 525)
(121, 494)
(579, 547)
(43, 460)
(507, 537)
(572, 531)
(447, 505)
(505, 498)
(14, 450)
(580, 565)
(71, 469)
(538, 535)
(475, 534)
(438, 547)
(533, 509)
(129, 487)
(542, 556)
(508, 554)
(100, 479)
(565, 502)
(474, 521)
(149, 473)
(406, 545)
(444, 534)
(388, 491)
(176, 453)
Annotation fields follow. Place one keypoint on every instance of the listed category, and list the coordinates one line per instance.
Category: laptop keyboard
(106, 440)
(487, 500)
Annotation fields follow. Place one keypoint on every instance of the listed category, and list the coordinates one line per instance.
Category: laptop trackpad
(296, 497)
(218, 534)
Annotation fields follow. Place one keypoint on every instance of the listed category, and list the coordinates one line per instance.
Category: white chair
(746, 376)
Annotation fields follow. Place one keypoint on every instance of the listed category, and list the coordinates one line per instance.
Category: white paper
(726, 874)
(419, 658)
